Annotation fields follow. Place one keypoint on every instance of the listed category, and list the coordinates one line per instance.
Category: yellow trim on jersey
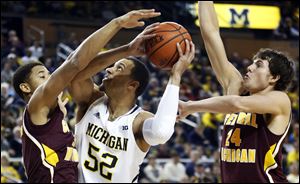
(51, 155)
(269, 159)
(71, 155)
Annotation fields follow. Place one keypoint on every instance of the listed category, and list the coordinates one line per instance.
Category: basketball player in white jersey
(113, 133)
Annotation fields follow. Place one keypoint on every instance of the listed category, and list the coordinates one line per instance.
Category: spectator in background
(293, 177)
(178, 139)
(153, 170)
(72, 42)
(174, 170)
(199, 174)
(36, 50)
(8, 173)
(190, 166)
(49, 64)
(197, 136)
(286, 30)
(293, 155)
(13, 60)
(16, 143)
(11, 35)
(16, 46)
(7, 72)
(28, 57)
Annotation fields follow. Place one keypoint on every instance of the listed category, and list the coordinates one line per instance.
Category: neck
(119, 106)
(265, 90)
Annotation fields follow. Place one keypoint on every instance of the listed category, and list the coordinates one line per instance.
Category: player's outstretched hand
(133, 18)
(137, 45)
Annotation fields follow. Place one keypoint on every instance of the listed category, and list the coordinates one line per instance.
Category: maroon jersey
(48, 150)
(250, 152)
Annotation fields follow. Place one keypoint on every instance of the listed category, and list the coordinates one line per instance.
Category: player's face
(39, 74)
(258, 76)
(117, 77)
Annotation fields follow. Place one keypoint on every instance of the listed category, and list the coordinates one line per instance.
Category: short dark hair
(21, 75)
(140, 73)
(279, 64)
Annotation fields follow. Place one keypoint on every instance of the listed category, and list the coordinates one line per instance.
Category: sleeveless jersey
(250, 152)
(107, 149)
(49, 153)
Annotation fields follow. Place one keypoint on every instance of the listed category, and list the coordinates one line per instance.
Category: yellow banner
(246, 16)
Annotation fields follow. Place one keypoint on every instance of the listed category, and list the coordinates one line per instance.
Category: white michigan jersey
(107, 149)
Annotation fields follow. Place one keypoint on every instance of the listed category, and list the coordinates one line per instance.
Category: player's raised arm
(159, 129)
(228, 76)
(46, 94)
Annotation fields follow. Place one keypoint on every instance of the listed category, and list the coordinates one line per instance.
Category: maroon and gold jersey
(250, 152)
(48, 150)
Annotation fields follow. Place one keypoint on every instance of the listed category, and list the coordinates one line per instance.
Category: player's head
(128, 74)
(28, 77)
(269, 68)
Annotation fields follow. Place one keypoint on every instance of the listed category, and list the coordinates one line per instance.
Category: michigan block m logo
(235, 15)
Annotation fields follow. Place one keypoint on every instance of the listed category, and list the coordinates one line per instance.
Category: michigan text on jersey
(119, 143)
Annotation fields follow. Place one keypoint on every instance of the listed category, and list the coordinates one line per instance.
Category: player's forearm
(88, 49)
(220, 104)
(208, 18)
(102, 61)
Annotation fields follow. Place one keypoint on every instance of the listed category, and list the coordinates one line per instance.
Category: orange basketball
(161, 49)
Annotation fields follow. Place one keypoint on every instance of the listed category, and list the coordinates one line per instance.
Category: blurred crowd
(192, 154)
(181, 11)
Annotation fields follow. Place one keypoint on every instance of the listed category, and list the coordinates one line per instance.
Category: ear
(274, 79)
(133, 85)
(25, 87)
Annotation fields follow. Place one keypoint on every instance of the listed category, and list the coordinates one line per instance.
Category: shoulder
(279, 97)
(277, 100)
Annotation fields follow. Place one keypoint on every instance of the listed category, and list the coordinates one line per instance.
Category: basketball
(161, 49)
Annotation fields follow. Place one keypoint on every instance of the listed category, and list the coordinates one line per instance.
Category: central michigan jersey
(107, 149)
(48, 150)
(250, 152)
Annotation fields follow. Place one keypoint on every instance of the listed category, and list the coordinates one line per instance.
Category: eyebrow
(122, 64)
(259, 61)
(43, 72)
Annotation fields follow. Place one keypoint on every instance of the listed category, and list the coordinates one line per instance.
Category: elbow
(158, 131)
(164, 135)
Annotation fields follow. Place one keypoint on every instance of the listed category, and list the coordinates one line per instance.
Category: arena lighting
(245, 16)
